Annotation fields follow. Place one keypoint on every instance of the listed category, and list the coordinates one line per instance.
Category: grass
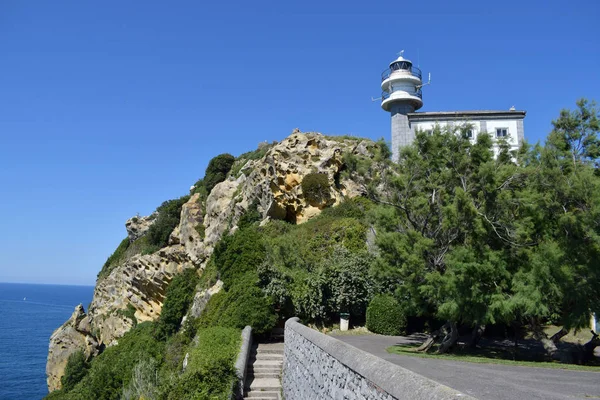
(581, 337)
(358, 331)
(486, 356)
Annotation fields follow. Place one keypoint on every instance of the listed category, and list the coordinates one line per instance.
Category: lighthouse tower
(401, 84)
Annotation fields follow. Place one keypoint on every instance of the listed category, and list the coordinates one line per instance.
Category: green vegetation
(475, 240)
(115, 259)
(385, 316)
(75, 370)
(216, 172)
(315, 188)
(257, 154)
(210, 371)
(169, 214)
(147, 362)
(180, 294)
(157, 237)
(129, 313)
(486, 356)
(449, 235)
(241, 305)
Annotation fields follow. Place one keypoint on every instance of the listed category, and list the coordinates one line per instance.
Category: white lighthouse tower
(401, 84)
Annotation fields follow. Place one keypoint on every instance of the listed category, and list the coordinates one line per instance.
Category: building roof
(474, 114)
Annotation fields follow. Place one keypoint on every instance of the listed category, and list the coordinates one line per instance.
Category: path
(263, 374)
(486, 381)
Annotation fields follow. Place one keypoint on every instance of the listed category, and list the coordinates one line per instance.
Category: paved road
(487, 381)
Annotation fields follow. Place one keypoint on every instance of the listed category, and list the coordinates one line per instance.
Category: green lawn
(487, 357)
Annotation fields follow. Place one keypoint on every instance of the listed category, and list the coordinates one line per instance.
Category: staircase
(263, 373)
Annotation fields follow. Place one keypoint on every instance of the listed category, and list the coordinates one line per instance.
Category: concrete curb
(240, 364)
(396, 381)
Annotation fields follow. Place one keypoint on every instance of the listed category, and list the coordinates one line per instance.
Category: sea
(29, 313)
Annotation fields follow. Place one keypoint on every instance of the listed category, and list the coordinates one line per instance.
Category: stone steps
(263, 372)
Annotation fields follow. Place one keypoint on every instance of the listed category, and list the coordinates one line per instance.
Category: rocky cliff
(134, 290)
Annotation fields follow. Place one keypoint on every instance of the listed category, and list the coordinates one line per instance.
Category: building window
(428, 132)
(469, 133)
(501, 132)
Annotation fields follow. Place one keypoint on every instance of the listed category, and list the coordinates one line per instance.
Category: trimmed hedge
(385, 316)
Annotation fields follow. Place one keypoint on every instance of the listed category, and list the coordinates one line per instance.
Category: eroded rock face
(273, 183)
(275, 180)
(72, 336)
(138, 226)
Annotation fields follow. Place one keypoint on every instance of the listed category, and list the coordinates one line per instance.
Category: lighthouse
(401, 94)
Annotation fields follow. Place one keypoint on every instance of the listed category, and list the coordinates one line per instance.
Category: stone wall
(316, 366)
(237, 392)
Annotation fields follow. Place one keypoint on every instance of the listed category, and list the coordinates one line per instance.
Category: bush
(210, 371)
(75, 370)
(179, 296)
(385, 316)
(169, 214)
(114, 259)
(217, 170)
(112, 370)
(315, 187)
(243, 304)
(239, 253)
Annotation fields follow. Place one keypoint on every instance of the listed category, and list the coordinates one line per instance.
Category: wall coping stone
(399, 382)
(241, 363)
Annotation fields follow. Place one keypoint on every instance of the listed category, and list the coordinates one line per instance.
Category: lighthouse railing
(414, 71)
(385, 95)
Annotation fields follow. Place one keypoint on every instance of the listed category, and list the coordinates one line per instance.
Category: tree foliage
(169, 214)
(476, 239)
(217, 170)
(75, 370)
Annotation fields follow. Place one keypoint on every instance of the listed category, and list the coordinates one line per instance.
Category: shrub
(385, 316)
(239, 253)
(114, 259)
(144, 381)
(243, 304)
(179, 296)
(111, 371)
(169, 214)
(315, 187)
(250, 216)
(210, 371)
(75, 370)
(217, 170)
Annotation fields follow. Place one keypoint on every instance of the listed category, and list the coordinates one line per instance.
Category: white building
(401, 84)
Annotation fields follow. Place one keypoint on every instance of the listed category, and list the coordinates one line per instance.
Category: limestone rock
(138, 226)
(219, 208)
(273, 183)
(187, 232)
(201, 299)
(142, 283)
(65, 341)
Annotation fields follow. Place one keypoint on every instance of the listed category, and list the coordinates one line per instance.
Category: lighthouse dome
(401, 63)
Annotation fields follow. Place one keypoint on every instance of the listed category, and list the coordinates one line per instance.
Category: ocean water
(28, 316)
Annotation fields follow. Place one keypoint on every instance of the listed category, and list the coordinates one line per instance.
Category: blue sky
(109, 108)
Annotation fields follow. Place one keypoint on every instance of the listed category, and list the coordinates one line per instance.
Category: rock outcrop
(74, 335)
(138, 226)
(138, 285)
